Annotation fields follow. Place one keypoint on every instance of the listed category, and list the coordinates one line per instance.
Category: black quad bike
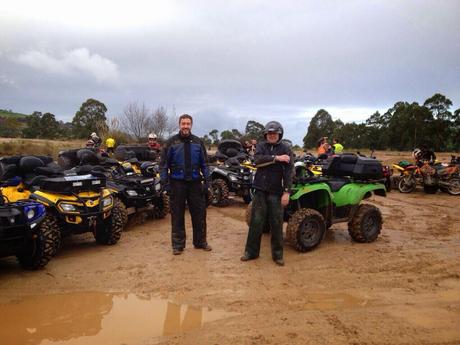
(26, 233)
(136, 192)
(76, 201)
(233, 173)
(318, 202)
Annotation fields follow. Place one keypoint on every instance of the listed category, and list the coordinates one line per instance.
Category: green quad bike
(318, 202)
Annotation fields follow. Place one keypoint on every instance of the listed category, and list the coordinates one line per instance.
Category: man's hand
(283, 158)
(285, 199)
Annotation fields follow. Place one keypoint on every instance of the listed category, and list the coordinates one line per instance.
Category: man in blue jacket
(185, 176)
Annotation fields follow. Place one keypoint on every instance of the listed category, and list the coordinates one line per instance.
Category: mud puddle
(97, 318)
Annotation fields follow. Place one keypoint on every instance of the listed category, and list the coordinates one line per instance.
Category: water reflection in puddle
(97, 318)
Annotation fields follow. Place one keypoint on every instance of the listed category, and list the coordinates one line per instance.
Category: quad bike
(234, 173)
(135, 192)
(318, 202)
(25, 232)
(311, 163)
(132, 156)
(76, 201)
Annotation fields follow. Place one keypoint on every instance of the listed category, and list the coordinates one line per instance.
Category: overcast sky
(227, 62)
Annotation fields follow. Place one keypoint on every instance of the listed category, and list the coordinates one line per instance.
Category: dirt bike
(448, 178)
(412, 175)
(318, 202)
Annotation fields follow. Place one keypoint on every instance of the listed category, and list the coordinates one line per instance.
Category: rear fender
(354, 193)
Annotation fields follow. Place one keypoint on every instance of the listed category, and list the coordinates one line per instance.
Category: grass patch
(11, 147)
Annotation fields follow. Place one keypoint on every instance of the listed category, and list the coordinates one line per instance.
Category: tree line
(402, 127)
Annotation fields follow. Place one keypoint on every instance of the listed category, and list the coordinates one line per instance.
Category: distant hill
(11, 114)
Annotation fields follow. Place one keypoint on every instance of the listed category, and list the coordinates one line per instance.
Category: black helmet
(274, 127)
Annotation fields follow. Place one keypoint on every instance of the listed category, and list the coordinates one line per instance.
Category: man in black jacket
(185, 175)
(272, 183)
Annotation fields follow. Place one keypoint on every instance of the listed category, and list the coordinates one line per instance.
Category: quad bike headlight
(67, 207)
(107, 201)
(131, 192)
(34, 211)
(30, 214)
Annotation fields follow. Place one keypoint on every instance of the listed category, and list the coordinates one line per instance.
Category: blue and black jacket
(184, 158)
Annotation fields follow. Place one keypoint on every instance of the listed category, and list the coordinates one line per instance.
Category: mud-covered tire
(220, 193)
(110, 231)
(454, 186)
(306, 229)
(430, 189)
(366, 224)
(123, 210)
(39, 251)
(161, 209)
(266, 229)
(407, 184)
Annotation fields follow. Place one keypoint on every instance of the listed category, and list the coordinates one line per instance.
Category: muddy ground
(402, 289)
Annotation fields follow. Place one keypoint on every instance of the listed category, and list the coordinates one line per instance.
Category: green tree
(227, 134)
(441, 131)
(10, 127)
(49, 126)
(33, 125)
(439, 106)
(206, 140)
(254, 130)
(321, 125)
(214, 134)
(236, 134)
(89, 118)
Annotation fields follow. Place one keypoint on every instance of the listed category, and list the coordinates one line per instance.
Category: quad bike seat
(89, 157)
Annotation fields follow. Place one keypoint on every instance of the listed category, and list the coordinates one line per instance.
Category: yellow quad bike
(75, 203)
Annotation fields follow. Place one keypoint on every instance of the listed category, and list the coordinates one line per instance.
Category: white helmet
(93, 134)
(152, 136)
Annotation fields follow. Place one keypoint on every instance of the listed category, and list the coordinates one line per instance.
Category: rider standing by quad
(272, 183)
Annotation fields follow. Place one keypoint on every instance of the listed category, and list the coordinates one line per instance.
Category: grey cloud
(228, 62)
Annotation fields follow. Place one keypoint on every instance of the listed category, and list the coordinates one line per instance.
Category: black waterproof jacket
(273, 177)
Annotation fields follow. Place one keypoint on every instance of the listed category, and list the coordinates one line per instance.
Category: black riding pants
(190, 192)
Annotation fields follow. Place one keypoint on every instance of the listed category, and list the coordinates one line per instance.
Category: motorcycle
(431, 176)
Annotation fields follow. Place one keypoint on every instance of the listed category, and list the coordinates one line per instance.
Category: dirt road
(402, 289)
